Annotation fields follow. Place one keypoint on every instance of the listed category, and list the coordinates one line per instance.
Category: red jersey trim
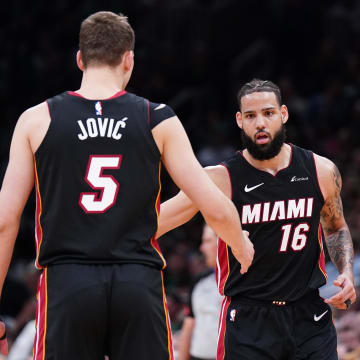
(321, 261)
(38, 212)
(153, 241)
(222, 329)
(317, 178)
(148, 112)
(41, 317)
(167, 320)
(228, 171)
(223, 265)
(116, 95)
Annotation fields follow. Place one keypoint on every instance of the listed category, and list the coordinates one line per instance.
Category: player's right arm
(16, 187)
(180, 209)
(337, 235)
(219, 212)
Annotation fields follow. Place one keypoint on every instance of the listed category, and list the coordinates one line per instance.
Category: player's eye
(250, 116)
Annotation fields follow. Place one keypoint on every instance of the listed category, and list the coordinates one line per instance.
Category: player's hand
(3, 342)
(345, 282)
(244, 254)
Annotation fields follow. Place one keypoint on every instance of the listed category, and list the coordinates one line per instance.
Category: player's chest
(266, 198)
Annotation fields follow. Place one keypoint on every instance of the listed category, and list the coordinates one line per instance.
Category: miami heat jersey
(282, 215)
(97, 177)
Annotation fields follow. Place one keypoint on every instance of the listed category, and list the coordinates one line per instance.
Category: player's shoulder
(151, 105)
(34, 114)
(160, 108)
(131, 97)
(324, 166)
(328, 175)
(158, 112)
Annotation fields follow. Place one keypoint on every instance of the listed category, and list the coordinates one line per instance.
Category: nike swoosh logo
(248, 189)
(317, 318)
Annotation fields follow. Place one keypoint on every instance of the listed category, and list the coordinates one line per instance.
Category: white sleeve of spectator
(23, 345)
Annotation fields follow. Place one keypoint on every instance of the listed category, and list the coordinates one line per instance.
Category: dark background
(194, 55)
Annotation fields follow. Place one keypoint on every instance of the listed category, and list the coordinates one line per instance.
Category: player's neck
(101, 82)
(274, 165)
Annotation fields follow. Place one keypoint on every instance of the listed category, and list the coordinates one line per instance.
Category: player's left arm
(337, 235)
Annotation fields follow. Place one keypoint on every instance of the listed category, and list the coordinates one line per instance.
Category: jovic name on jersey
(282, 215)
(98, 181)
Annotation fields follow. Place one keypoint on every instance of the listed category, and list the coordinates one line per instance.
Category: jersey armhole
(228, 172)
(317, 179)
(44, 140)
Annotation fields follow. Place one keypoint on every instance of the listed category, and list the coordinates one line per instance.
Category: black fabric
(277, 273)
(84, 133)
(97, 310)
(272, 332)
(159, 113)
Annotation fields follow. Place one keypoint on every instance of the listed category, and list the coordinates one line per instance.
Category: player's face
(208, 246)
(262, 120)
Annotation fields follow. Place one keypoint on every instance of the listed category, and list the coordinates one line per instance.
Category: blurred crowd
(194, 55)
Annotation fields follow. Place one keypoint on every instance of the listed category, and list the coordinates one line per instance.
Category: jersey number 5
(95, 202)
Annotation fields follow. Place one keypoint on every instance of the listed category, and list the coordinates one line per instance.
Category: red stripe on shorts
(41, 315)
(222, 329)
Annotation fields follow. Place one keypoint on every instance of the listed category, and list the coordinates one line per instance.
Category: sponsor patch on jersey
(232, 315)
(294, 178)
(98, 108)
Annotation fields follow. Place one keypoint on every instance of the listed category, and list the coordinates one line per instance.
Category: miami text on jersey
(103, 127)
(277, 210)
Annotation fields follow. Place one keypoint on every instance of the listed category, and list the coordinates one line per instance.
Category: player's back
(98, 181)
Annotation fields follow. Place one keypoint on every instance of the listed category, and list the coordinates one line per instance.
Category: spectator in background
(198, 338)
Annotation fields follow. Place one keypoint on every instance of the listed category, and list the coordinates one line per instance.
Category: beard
(265, 151)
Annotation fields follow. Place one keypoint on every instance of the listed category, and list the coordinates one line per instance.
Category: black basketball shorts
(250, 330)
(85, 312)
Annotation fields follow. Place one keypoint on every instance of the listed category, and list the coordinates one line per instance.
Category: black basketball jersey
(97, 176)
(282, 215)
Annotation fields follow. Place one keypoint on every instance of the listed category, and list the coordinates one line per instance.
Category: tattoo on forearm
(341, 251)
(332, 211)
(338, 238)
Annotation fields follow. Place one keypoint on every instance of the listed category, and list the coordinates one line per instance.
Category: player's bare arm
(337, 234)
(180, 209)
(17, 184)
(219, 212)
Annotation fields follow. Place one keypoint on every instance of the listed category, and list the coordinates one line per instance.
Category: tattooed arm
(337, 235)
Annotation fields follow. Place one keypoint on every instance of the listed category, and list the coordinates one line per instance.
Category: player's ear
(284, 113)
(128, 60)
(239, 119)
(79, 61)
